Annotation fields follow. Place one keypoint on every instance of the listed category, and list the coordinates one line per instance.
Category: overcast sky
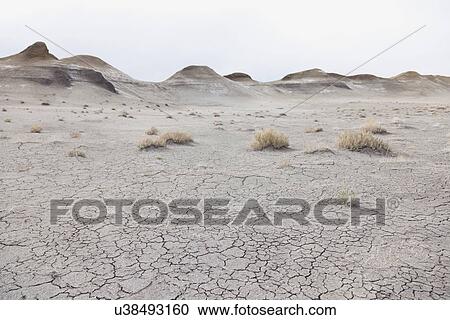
(150, 40)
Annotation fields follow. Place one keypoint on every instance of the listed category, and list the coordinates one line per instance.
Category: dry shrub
(285, 164)
(35, 128)
(176, 137)
(149, 143)
(363, 141)
(8, 120)
(345, 196)
(75, 135)
(269, 138)
(313, 130)
(77, 153)
(152, 131)
(371, 126)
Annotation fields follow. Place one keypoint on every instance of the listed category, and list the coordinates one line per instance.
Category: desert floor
(408, 257)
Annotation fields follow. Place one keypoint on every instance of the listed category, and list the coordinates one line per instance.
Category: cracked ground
(407, 258)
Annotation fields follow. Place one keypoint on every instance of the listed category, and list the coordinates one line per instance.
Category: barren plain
(84, 104)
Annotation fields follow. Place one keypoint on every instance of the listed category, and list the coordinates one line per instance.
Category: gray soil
(406, 258)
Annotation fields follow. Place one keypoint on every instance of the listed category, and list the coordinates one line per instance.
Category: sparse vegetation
(150, 143)
(177, 137)
(152, 131)
(35, 128)
(77, 153)
(269, 138)
(363, 141)
(285, 164)
(75, 135)
(313, 130)
(345, 196)
(371, 126)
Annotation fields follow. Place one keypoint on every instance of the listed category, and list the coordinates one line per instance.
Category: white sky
(150, 40)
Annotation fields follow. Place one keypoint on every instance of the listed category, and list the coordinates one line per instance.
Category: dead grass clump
(176, 137)
(35, 128)
(149, 143)
(374, 127)
(363, 141)
(285, 164)
(269, 138)
(77, 153)
(345, 197)
(313, 130)
(152, 131)
(75, 135)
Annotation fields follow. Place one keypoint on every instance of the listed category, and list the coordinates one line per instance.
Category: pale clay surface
(407, 258)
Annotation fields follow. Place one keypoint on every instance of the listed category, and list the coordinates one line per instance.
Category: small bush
(176, 137)
(149, 143)
(35, 128)
(371, 126)
(77, 153)
(313, 130)
(285, 164)
(269, 138)
(345, 197)
(8, 120)
(363, 141)
(75, 135)
(152, 131)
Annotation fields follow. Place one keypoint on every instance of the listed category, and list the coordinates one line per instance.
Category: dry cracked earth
(406, 258)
